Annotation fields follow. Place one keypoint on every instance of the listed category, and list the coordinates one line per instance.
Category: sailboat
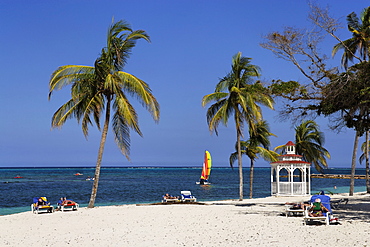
(206, 171)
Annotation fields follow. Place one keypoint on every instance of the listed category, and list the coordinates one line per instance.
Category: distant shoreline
(150, 167)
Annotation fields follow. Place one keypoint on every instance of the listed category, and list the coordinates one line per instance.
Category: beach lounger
(165, 200)
(67, 204)
(289, 210)
(187, 196)
(45, 208)
(337, 203)
(325, 200)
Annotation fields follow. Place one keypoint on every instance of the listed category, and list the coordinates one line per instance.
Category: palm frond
(140, 90)
(66, 75)
(121, 132)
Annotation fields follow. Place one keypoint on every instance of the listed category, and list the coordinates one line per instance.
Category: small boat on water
(18, 176)
(78, 174)
(206, 170)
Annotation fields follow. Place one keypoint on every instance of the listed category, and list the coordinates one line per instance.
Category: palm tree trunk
(367, 163)
(353, 167)
(240, 165)
(100, 156)
(251, 174)
(240, 168)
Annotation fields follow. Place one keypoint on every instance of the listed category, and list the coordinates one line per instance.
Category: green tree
(309, 141)
(257, 145)
(359, 43)
(105, 88)
(241, 100)
(348, 96)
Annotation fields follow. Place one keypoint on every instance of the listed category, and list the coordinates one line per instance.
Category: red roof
(290, 144)
(290, 162)
(290, 155)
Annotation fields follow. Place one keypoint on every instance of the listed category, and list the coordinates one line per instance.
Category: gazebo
(290, 176)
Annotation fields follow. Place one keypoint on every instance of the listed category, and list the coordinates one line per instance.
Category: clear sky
(192, 45)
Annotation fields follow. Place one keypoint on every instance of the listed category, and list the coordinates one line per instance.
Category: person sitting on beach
(297, 205)
(41, 202)
(60, 202)
(317, 209)
(167, 196)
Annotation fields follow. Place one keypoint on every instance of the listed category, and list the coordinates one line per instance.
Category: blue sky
(192, 46)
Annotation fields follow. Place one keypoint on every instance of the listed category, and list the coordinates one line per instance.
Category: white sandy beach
(224, 223)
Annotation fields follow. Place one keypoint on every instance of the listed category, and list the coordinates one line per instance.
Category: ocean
(134, 185)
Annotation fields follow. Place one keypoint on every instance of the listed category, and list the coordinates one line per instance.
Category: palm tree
(240, 100)
(360, 40)
(308, 142)
(104, 87)
(257, 145)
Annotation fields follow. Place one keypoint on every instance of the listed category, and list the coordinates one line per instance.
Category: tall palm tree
(237, 94)
(257, 145)
(104, 88)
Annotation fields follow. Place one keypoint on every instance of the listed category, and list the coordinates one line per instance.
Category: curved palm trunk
(100, 156)
(353, 167)
(251, 175)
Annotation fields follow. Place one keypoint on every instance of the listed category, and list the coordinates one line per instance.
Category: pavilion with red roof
(290, 176)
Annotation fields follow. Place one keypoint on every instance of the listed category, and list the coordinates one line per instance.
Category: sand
(250, 222)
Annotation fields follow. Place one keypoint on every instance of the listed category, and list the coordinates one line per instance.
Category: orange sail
(207, 165)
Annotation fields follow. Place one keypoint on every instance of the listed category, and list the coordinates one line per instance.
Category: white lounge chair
(325, 200)
(44, 208)
(187, 196)
(307, 217)
(289, 210)
(165, 200)
(68, 204)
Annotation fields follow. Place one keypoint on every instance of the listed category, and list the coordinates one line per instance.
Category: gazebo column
(278, 180)
(291, 170)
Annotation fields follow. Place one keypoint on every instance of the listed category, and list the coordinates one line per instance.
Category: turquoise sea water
(119, 186)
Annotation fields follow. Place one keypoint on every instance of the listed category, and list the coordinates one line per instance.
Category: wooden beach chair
(45, 208)
(187, 196)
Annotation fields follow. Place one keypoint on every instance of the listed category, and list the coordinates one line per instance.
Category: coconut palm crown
(309, 141)
(105, 88)
(360, 41)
